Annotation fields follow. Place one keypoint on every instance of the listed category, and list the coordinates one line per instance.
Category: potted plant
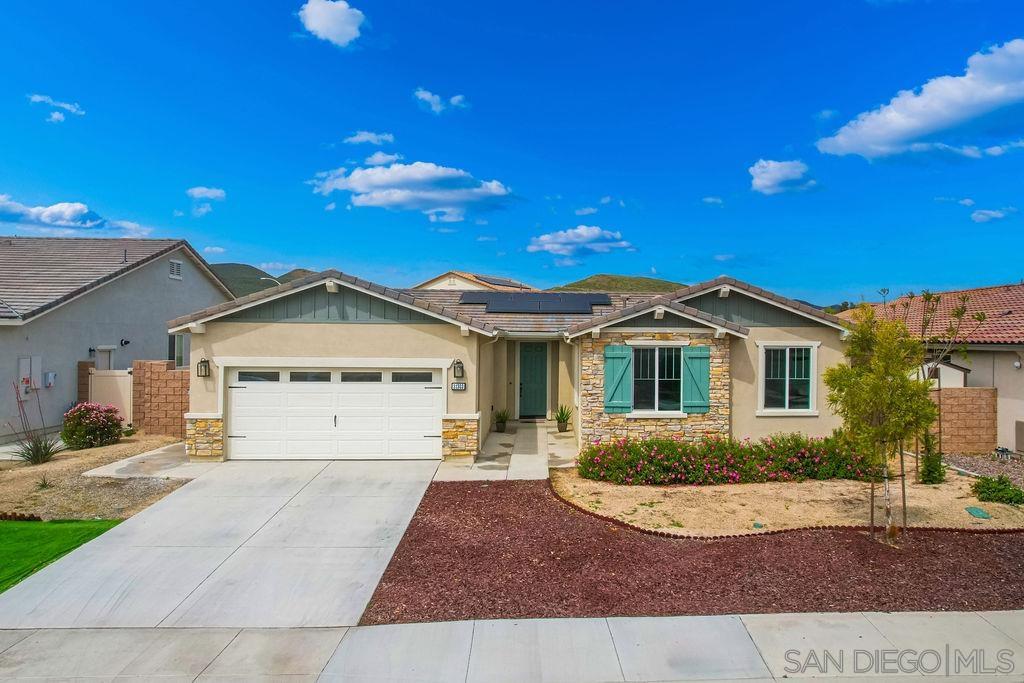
(500, 418)
(562, 417)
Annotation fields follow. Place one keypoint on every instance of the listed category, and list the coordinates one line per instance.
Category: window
(413, 376)
(176, 350)
(361, 376)
(174, 270)
(787, 373)
(259, 376)
(657, 378)
(309, 376)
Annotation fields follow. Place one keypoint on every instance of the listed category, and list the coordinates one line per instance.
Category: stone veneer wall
(460, 438)
(969, 424)
(204, 439)
(597, 425)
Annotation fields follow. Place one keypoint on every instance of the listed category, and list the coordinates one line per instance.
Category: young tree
(880, 399)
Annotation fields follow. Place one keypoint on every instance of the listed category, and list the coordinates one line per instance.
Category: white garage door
(320, 414)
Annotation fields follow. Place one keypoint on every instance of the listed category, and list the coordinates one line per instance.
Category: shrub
(715, 460)
(37, 448)
(932, 470)
(88, 425)
(998, 490)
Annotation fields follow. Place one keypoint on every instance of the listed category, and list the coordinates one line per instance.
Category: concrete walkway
(169, 461)
(262, 544)
(855, 646)
(525, 451)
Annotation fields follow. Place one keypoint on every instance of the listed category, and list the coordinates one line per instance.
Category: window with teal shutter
(696, 379)
(618, 379)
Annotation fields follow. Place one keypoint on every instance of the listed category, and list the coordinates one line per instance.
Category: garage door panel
(334, 420)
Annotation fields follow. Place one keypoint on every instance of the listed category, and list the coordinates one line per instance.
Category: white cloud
(586, 211)
(486, 238)
(966, 201)
(379, 158)
(436, 103)
(200, 210)
(200, 192)
(277, 267)
(71, 108)
(443, 194)
(724, 257)
(445, 231)
(567, 262)
(65, 219)
(582, 238)
(331, 206)
(1000, 150)
(214, 250)
(773, 177)
(178, 213)
(717, 201)
(987, 215)
(361, 136)
(55, 117)
(993, 79)
(826, 114)
(606, 199)
(332, 20)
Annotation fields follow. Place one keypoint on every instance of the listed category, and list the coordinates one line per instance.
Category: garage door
(323, 414)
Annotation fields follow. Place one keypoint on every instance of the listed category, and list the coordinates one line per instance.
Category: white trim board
(707, 327)
(812, 411)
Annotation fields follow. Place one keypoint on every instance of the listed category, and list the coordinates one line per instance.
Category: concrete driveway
(248, 544)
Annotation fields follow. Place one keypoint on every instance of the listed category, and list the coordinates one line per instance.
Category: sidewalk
(855, 646)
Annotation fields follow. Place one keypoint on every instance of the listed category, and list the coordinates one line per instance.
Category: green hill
(295, 274)
(620, 283)
(242, 279)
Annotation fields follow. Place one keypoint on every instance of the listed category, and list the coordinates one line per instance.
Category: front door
(533, 379)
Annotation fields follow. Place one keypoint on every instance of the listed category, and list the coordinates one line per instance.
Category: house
(991, 351)
(332, 366)
(458, 279)
(64, 300)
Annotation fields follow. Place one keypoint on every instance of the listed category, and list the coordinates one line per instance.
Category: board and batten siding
(317, 305)
(747, 311)
(669, 321)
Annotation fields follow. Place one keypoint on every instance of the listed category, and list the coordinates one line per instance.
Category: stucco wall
(995, 369)
(333, 340)
(566, 371)
(135, 307)
(744, 368)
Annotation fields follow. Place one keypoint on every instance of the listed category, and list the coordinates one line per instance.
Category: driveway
(268, 544)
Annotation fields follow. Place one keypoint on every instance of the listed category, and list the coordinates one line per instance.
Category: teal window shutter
(696, 379)
(618, 379)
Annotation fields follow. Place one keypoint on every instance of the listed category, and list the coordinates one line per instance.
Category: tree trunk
(890, 531)
(872, 506)
(903, 487)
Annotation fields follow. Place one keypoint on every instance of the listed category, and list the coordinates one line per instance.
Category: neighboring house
(331, 366)
(460, 280)
(64, 300)
(992, 352)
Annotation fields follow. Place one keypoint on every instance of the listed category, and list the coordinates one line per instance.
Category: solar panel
(499, 281)
(535, 302)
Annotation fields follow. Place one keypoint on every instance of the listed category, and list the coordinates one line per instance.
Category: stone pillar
(204, 439)
(459, 438)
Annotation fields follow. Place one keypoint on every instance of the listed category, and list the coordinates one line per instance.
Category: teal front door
(533, 379)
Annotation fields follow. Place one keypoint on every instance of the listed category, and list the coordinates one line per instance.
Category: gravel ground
(479, 550)
(989, 466)
(68, 495)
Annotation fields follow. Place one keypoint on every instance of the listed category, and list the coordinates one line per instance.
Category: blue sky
(545, 141)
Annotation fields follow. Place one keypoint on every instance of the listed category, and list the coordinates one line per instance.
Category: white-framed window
(787, 378)
(176, 350)
(658, 379)
(174, 269)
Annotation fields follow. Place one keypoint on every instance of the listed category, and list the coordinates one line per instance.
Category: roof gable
(690, 294)
(38, 274)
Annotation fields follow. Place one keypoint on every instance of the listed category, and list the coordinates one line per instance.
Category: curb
(769, 532)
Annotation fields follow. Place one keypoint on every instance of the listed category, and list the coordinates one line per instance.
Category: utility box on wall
(30, 373)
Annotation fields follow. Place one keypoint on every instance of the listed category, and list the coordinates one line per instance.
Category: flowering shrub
(90, 424)
(715, 460)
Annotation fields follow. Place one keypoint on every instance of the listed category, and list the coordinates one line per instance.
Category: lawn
(27, 547)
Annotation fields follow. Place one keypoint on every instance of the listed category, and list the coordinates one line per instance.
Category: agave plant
(500, 418)
(35, 449)
(562, 417)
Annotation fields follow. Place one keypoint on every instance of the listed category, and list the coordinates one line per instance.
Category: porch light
(458, 369)
(203, 368)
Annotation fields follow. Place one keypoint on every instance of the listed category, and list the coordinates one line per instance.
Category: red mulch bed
(482, 550)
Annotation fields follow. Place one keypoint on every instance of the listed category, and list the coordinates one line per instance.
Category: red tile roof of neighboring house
(1003, 306)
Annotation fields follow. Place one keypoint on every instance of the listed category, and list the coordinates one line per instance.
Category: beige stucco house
(331, 366)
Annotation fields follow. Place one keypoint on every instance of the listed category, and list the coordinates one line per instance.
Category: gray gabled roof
(38, 274)
(399, 295)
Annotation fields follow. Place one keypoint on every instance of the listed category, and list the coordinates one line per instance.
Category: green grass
(620, 283)
(27, 547)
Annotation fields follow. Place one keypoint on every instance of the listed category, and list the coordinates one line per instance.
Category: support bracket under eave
(464, 329)
(720, 332)
(723, 292)
(659, 313)
(332, 286)
(197, 328)
(595, 333)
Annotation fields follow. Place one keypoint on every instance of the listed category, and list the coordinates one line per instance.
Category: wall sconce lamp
(458, 369)
(203, 368)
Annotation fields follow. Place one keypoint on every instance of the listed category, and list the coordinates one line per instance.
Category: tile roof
(39, 273)
(495, 282)
(1003, 306)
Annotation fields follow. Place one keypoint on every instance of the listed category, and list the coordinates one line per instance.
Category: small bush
(932, 469)
(998, 490)
(88, 425)
(37, 448)
(782, 457)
